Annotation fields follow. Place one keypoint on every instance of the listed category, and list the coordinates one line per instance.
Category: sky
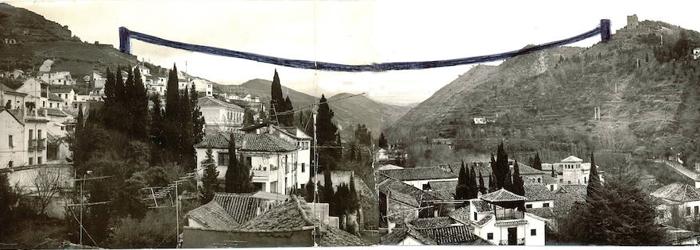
(349, 32)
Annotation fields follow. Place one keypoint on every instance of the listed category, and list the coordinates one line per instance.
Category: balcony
(519, 241)
(509, 214)
(36, 145)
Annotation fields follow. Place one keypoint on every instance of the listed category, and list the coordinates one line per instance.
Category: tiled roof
(399, 234)
(481, 206)
(410, 174)
(54, 97)
(538, 192)
(484, 220)
(212, 215)
(399, 187)
(676, 235)
(389, 166)
(572, 159)
(247, 142)
(209, 101)
(53, 112)
(291, 215)
(451, 235)
(432, 222)
(63, 89)
(677, 192)
(241, 207)
(544, 212)
(502, 195)
(566, 196)
(445, 187)
(461, 214)
(405, 199)
(334, 237)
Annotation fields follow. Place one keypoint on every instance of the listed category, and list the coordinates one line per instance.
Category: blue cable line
(125, 46)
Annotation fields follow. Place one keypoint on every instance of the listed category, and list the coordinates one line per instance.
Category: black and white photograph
(361, 123)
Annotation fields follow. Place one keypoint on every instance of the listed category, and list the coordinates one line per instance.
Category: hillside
(646, 91)
(348, 112)
(27, 39)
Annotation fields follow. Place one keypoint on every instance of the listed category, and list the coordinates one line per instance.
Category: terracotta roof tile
(451, 235)
(334, 237)
(291, 215)
(566, 196)
(432, 222)
(677, 192)
(544, 212)
(502, 195)
(409, 174)
(209, 101)
(247, 142)
(212, 215)
(242, 207)
(538, 192)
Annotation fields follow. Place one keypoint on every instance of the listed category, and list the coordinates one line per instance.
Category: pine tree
(518, 184)
(482, 187)
(537, 162)
(210, 182)
(594, 185)
(382, 141)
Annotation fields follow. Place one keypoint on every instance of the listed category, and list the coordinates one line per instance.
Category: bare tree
(47, 186)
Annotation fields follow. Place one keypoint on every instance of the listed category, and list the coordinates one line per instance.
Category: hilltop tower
(632, 21)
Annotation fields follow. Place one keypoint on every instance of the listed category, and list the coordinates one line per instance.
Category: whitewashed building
(682, 196)
(220, 115)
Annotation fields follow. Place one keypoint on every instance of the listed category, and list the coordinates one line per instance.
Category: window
(50, 105)
(489, 236)
(539, 180)
(528, 206)
(9, 164)
(546, 204)
(697, 210)
(687, 209)
(533, 232)
(223, 159)
(38, 134)
(9, 141)
(31, 162)
(302, 167)
(475, 216)
(38, 160)
(31, 134)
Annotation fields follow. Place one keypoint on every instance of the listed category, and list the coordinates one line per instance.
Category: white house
(37, 92)
(272, 159)
(419, 177)
(496, 218)
(682, 196)
(26, 146)
(220, 115)
(572, 170)
(538, 195)
(58, 78)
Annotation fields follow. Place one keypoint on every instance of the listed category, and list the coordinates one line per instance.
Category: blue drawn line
(125, 46)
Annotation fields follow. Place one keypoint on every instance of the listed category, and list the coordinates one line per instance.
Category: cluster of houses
(417, 205)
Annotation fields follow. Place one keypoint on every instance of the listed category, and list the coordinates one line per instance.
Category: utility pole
(82, 200)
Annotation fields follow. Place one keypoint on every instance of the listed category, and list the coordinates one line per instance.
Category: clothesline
(125, 36)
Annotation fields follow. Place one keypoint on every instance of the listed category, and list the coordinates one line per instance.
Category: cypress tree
(518, 184)
(473, 184)
(554, 174)
(467, 183)
(157, 132)
(508, 181)
(110, 98)
(594, 185)
(289, 117)
(329, 193)
(382, 141)
(492, 185)
(309, 189)
(232, 168)
(494, 170)
(276, 98)
(461, 189)
(210, 182)
(482, 187)
(139, 107)
(186, 133)
(172, 96)
(326, 135)
(537, 162)
(197, 117)
(8, 198)
(354, 199)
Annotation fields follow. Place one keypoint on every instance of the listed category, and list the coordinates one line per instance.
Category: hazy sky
(351, 32)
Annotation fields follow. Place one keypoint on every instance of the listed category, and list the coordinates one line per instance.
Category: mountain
(643, 88)
(348, 111)
(27, 39)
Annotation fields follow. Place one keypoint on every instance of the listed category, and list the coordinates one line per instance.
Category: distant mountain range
(348, 112)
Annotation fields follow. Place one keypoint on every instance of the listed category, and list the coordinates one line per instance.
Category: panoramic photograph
(222, 124)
